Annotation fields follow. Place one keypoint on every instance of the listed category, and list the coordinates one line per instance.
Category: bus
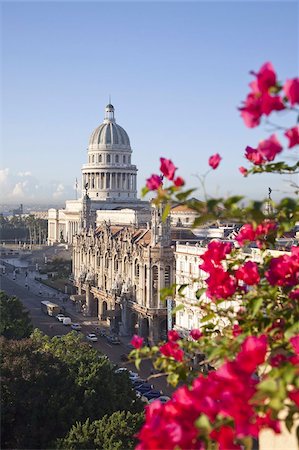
(50, 308)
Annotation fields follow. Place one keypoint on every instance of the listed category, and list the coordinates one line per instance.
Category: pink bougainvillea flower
(248, 273)
(220, 284)
(243, 171)
(291, 89)
(214, 161)
(225, 436)
(251, 111)
(277, 360)
(253, 353)
(264, 228)
(195, 334)
(295, 343)
(167, 168)
(266, 77)
(236, 330)
(293, 136)
(173, 336)
(246, 234)
(173, 350)
(178, 182)
(137, 341)
(154, 182)
(269, 148)
(253, 155)
(284, 270)
(294, 395)
(294, 295)
(271, 103)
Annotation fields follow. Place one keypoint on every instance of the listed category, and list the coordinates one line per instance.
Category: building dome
(109, 133)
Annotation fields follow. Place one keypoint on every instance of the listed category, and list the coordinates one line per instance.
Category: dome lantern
(109, 113)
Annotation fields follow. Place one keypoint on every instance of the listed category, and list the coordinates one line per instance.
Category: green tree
(14, 319)
(38, 396)
(115, 432)
(101, 390)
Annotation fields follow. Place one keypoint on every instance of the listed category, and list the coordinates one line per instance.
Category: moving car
(67, 321)
(76, 326)
(91, 337)
(113, 340)
(60, 317)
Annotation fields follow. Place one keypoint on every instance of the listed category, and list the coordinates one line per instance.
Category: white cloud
(22, 186)
(3, 176)
(24, 174)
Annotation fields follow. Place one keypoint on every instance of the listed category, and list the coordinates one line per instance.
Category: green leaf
(203, 423)
(178, 308)
(181, 288)
(144, 191)
(257, 303)
(291, 331)
(166, 211)
(208, 317)
(269, 386)
(199, 292)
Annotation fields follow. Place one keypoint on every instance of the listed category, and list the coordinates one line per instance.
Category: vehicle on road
(113, 340)
(138, 381)
(60, 317)
(152, 394)
(76, 326)
(132, 375)
(91, 337)
(50, 308)
(162, 399)
(100, 332)
(67, 321)
(144, 388)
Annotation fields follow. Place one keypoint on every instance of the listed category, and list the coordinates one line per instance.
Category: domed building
(109, 173)
(109, 185)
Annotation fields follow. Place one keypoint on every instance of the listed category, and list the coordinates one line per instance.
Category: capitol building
(123, 252)
(109, 178)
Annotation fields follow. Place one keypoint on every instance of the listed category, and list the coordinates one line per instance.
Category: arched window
(100, 158)
(116, 158)
(124, 159)
(136, 269)
(108, 158)
(92, 159)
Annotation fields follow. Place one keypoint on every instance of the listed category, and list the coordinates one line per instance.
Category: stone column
(88, 300)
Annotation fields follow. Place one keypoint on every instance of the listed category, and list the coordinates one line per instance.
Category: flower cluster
(263, 98)
(225, 396)
(168, 170)
(249, 233)
(266, 151)
(284, 270)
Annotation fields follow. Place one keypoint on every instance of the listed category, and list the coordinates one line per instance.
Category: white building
(109, 177)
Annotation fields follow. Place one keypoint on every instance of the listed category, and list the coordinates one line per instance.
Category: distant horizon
(176, 73)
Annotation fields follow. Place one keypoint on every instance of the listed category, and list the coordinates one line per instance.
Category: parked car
(162, 399)
(152, 394)
(138, 381)
(67, 321)
(91, 337)
(132, 375)
(144, 388)
(76, 326)
(113, 340)
(60, 317)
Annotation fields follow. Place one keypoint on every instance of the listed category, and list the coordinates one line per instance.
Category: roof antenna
(109, 99)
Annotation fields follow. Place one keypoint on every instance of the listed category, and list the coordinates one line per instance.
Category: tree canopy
(110, 433)
(14, 319)
(50, 384)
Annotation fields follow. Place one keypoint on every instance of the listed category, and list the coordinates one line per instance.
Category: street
(32, 292)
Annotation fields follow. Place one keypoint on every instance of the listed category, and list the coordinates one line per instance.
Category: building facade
(119, 272)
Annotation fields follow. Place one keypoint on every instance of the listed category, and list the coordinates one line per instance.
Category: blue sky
(176, 72)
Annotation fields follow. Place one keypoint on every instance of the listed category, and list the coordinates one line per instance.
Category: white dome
(109, 133)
